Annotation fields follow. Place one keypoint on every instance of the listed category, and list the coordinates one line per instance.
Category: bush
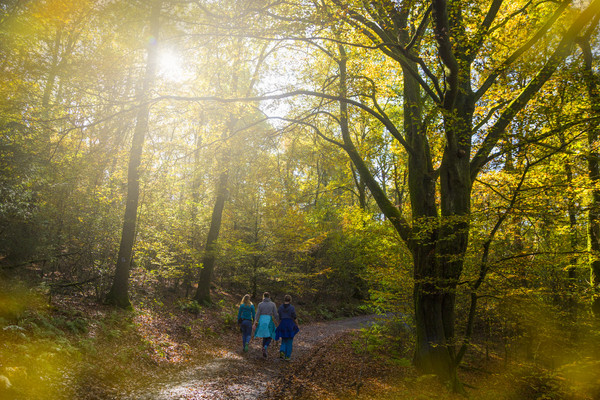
(532, 382)
(191, 306)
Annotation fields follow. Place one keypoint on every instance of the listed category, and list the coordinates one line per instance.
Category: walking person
(246, 315)
(266, 317)
(287, 328)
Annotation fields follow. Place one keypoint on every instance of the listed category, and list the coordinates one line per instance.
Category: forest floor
(72, 347)
(239, 375)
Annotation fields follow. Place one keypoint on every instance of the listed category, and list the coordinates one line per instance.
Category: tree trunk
(208, 262)
(437, 245)
(193, 240)
(591, 81)
(53, 71)
(569, 296)
(438, 241)
(119, 292)
(360, 188)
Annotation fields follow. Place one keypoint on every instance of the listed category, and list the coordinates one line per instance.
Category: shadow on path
(244, 376)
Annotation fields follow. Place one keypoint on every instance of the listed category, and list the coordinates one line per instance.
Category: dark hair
(287, 298)
(266, 295)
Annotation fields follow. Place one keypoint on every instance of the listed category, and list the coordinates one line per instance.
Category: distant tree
(119, 291)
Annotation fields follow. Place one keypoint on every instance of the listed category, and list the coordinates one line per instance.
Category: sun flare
(170, 66)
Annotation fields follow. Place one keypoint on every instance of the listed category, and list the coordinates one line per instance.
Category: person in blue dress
(246, 315)
(266, 318)
(287, 329)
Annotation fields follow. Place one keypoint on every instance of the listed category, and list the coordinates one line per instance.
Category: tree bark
(569, 296)
(208, 262)
(119, 292)
(438, 241)
(360, 188)
(591, 81)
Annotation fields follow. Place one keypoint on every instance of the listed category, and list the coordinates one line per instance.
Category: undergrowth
(76, 348)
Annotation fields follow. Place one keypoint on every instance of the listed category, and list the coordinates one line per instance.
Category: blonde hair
(246, 300)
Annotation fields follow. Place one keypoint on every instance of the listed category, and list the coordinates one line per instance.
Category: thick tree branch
(520, 51)
(420, 30)
(560, 53)
(442, 36)
(389, 210)
(385, 121)
(483, 29)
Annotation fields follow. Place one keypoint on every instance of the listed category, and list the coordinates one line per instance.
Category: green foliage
(530, 382)
(191, 306)
(229, 318)
(372, 338)
(388, 340)
(324, 313)
(299, 219)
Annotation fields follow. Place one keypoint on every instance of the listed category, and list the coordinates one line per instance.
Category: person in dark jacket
(288, 327)
(246, 314)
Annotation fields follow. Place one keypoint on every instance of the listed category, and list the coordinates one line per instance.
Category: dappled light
(221, 199)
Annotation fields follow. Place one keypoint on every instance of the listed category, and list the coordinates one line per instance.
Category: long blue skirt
(287, 329)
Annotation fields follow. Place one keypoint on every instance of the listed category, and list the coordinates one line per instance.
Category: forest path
(238, 375)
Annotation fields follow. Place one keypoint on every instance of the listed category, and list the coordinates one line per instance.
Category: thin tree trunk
(256, 257)
(119, 292)
(208, 262)
(193, 240)
(571, 269)
(53, 72)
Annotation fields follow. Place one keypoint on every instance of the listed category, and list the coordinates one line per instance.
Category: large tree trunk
(439, 252)
(438, 240)
(437, 245)
(119, 292)
(591, 81)
(208, 262)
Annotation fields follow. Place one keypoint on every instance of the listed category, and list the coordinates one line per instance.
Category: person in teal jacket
(266, 317)
(246, 315)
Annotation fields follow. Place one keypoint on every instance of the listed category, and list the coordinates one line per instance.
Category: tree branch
(519, 52)
(420, 29)
(385, 121)
(483, 29)
(442, 36)
(560, 53)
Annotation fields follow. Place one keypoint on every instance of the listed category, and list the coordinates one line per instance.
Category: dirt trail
(238, 375)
